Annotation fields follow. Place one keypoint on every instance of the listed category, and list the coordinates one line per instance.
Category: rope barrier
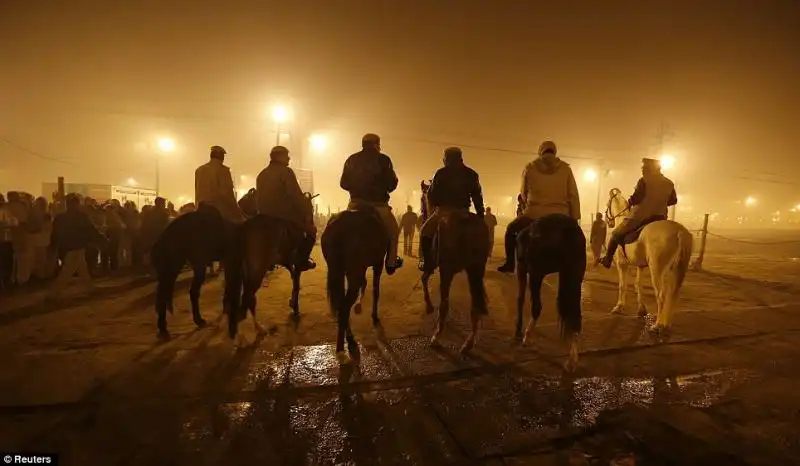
(752, 242)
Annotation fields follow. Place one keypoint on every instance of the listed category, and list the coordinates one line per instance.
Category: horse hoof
(642, 312)
(467, 347)
(527, 340)
(357, 308)
(241, 341)
(260, 330)
(618, 310)
(657, 328)
(200, 323)
(164, 335)
(429, 309)
(343, 358)
(570, 365)
(376, 322)
(435, 341)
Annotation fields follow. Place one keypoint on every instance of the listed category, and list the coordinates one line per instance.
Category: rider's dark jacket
(455, 185)
(369, 176)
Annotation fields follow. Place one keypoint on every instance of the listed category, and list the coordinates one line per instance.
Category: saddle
(448, 224)
(632, 236)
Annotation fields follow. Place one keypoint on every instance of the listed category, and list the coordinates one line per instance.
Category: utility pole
(664, 133)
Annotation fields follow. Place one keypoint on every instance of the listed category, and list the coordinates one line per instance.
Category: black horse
(353, 241)
(197, 238)
(262, 243)
(552, 244)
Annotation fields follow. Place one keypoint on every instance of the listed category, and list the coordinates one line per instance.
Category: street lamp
(280, 115)
(164, 145)
(667, 162)
(131, 182)
(593, 176)
(750, 201)
(318, 142)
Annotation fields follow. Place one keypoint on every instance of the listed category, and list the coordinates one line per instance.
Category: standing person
(491, 223)
(369, 177)
(597, 237)
(7, 223)
(73, 232)
(408, 223)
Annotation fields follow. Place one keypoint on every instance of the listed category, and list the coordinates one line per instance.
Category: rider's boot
(398, 263)
(613, 244)
(304, 254)
(508, 265)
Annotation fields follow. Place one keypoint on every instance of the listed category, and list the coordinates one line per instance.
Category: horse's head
(248, 203)
(616, 207)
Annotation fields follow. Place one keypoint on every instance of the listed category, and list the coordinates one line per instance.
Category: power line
(35, 154)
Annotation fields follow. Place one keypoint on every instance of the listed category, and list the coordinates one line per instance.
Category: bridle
(615, 194)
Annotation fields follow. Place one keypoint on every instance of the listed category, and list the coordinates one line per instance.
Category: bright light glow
(318, 142)
(750, 201)
(797, 207)
(132, 182)
(241, 192)
(280, 114)
(242, 177)
(590, 175)
(183, 199)
(667, 162)
(166, 145)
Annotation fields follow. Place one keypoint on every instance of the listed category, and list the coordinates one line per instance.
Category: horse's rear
(553, 244)
(665, 247)
(462, 244)
(352, 242)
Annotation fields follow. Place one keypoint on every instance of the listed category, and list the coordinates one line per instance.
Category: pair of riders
(549, 187)
(368, 176)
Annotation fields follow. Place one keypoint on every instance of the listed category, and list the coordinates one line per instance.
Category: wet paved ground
(85, 378)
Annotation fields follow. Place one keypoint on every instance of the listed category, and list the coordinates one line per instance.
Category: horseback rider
(369, 177)
(454, 187)
(653, 196)
(278, 195)
(548, 187)
(213, 190)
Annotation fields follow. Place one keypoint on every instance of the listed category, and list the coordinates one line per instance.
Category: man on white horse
(653, 195)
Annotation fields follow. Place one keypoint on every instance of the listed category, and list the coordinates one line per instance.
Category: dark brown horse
(197, 238)
(353, 241)
(264, 242)
(461, 244)
(552, 244)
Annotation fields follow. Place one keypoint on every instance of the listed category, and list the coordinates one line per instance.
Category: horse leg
(194, 293)
(622, 272)
(343, 320)
(477, 291)
(164, 292)
(294, 301)
(642, 309)
(535, 280)
(445, 281)
(522, 283)
(426, 277)
(362, 291)
(376, 292)
(657, 279)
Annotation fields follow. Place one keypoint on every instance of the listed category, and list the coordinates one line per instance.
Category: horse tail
(570, 280)
(675, 272)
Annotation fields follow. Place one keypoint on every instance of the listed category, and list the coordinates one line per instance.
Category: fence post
(62, 195)
(698, 264)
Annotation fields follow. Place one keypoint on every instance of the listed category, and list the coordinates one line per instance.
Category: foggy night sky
(94, 84)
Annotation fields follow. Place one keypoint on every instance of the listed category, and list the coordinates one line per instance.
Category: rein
(615, 195)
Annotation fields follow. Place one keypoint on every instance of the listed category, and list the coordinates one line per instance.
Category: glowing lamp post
(280, 115)
(750, 201)
(593, 176)
(164, 145)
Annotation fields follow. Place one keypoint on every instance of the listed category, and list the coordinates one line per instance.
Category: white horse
(665, 247)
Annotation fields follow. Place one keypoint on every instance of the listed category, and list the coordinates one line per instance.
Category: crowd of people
(36, 232)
